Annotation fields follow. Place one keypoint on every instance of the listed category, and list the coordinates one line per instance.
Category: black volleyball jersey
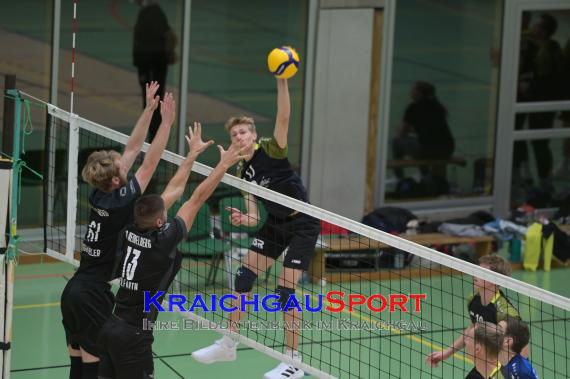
(270, 168)
(497, 310)
(149, 262)
(110, 213)
(474, 374)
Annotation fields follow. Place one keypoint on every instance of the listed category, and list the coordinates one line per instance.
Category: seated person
(424, 133)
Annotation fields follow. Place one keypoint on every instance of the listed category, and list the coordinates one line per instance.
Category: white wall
(340, 110)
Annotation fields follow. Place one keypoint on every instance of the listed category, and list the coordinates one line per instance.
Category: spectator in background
(424, 133)
(563, 171)
(527, 61)
(544, 86)
(153, 50)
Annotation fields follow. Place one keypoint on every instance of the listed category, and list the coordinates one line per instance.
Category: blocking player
(86, 301)
(149, 262)
(284, 231)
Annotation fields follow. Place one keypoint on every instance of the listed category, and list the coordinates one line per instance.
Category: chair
(201, 244)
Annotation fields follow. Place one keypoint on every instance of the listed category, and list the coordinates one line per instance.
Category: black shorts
(85, 306)
(295, 235)
(125, 351)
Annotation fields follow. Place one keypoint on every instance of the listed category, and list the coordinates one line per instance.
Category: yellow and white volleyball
(283, 62)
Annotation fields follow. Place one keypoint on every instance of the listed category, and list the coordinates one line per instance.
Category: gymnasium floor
(39, 344)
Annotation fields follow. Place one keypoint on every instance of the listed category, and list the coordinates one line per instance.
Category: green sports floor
(39, 344)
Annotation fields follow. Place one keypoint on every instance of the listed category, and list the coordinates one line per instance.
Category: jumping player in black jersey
(86, 301)
(488, 304)
(285, 230)
(149, 263)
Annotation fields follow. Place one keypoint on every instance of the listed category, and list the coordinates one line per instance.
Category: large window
(443, 100)
(119, 45)
(25, 37)
(228, 75)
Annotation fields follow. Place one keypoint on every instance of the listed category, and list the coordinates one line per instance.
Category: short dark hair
(147, 209)
(549, 24)
(519, 331)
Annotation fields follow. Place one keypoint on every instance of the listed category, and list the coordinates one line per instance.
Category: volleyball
(283, 62)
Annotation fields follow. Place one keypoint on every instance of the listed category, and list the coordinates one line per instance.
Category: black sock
(89, 370)
(75, 369)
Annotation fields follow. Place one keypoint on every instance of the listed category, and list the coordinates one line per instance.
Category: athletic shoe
(284, 371)
(223, 350)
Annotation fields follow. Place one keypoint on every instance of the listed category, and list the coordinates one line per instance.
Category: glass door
(533, 138)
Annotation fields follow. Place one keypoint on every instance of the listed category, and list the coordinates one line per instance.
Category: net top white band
(354, 226)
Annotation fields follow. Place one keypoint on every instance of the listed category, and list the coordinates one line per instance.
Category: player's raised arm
(190, 208)
(138, 135)
(152, 157)
(176, 185)
(283, 113)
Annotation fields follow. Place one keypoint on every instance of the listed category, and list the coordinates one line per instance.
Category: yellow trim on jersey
(495, 298)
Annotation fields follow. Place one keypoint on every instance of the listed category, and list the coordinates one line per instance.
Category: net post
(72, 186)
(12, 250)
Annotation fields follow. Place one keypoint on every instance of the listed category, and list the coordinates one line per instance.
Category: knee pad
(284, 294)
(244, 280)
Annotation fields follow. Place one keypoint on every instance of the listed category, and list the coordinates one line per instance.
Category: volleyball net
(373, 304)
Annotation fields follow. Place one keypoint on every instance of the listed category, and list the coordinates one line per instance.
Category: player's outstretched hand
(236, 216)
(434, 358)
(168, 109)
(194, 139)
(152, 99)
(231, 156)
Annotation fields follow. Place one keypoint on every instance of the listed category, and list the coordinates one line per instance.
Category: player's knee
(244, 280)
(284, 294)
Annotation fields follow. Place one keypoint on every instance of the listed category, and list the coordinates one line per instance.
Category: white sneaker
(223, 350)
(284, 371)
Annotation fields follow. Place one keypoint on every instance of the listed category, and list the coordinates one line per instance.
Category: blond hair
(100, 169)
(489, 335)
(496, 263)
(233, 121)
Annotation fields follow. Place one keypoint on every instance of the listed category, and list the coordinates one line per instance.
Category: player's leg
(104, 345)
(297, 259)
(94, 309)
(70, 326)
(225, 349)
(75, 359)
(255, 264)
(266, 246)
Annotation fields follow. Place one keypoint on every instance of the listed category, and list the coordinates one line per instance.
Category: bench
(334, 245)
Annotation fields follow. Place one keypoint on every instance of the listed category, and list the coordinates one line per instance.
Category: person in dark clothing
(424, 133)
(87, 300)
(544, 85)
(153, 50)
(286, 232)
(148, 262)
